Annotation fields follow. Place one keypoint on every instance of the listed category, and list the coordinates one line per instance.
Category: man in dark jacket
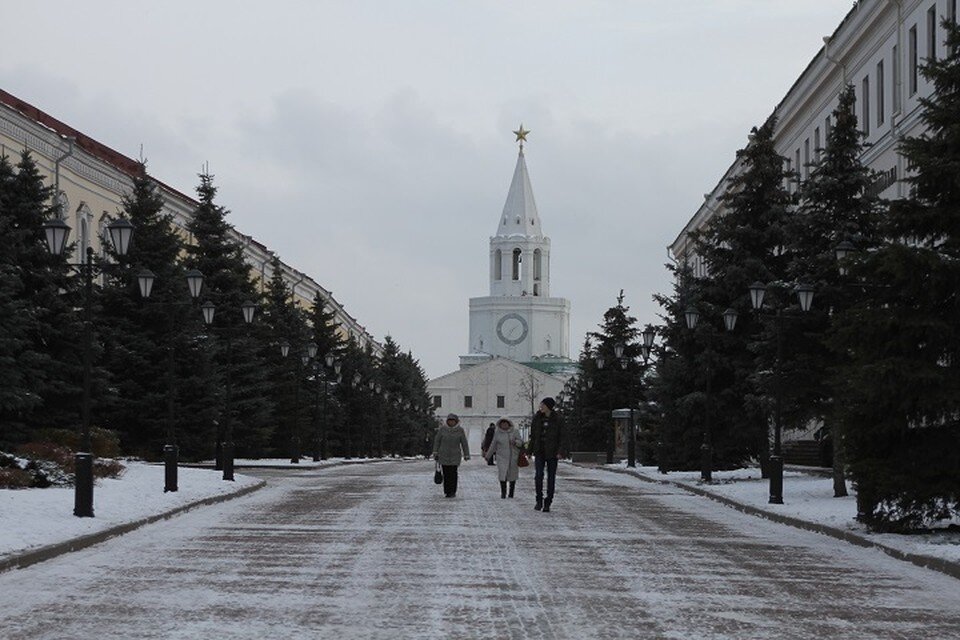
(546, 445)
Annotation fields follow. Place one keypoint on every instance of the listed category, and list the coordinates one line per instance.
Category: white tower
(519, 320)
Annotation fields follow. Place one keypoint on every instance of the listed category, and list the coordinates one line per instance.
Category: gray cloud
(368, 143)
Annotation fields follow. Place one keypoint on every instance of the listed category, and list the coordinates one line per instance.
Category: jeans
(551, 464)
(449, 480)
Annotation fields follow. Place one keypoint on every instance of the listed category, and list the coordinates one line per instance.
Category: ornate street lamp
(805, 298)
(56, 232)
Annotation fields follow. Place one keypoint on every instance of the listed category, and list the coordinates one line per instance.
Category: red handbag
(522, 460)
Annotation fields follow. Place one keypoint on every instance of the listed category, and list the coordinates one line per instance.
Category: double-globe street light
(145, 280)
(224, 444)
(305, 357)
(805, 298)
(323, 376)
(56, 232)
(692, 318)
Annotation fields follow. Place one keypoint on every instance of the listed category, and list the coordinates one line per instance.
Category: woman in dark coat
(448, 444)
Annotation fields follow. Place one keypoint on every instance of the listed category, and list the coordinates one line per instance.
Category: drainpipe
(898, 92)
(293, 289)
(56, 171)
(898, 89)
(826, 53)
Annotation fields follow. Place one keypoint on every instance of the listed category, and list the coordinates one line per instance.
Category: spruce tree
(228, 284)
(739, 247)
(51, 362)
(285, 382)
(615, 386)
(837, 205)
(152, 352)
(21, 367)
(901, 397)
(324, 333)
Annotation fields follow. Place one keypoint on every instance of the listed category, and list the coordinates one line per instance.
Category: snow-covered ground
(35, 518)
(374, 551)
(809, 497)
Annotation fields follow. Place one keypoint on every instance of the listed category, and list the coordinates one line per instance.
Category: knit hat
(453, 416)
(550, 402)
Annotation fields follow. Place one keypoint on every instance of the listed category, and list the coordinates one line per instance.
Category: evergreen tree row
(874, 363)
(163, 375)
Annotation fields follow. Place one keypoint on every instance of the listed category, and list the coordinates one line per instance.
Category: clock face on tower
(512, 329)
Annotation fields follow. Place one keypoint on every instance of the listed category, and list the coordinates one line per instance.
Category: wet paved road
(376, 551)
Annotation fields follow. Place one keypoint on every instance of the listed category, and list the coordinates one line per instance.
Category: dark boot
(503, 489)
(539, 504)
(513, 485)
(546, 505)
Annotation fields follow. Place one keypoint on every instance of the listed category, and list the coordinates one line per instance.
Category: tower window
(498, 265)
(516, 264)
(537, 264)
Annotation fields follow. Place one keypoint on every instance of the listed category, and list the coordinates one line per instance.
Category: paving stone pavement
(376, 551)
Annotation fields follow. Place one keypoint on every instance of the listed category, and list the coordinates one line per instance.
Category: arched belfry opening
(517, 259)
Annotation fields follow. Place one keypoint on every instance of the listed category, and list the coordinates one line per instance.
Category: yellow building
(90, 180)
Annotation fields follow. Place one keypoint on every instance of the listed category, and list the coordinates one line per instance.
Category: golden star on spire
(521, 134)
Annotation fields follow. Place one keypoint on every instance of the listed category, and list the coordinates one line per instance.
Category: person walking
(448, 444)
(506, 444)
(487, 439)
(546, 445)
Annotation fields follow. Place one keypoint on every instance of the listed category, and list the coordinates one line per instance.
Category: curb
(57, 549)
(290, 467)
(927, 562)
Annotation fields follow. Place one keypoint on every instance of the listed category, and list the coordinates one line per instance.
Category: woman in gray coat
(450, 440)
(507, 445)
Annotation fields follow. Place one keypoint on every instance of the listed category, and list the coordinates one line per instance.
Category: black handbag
(438, 474)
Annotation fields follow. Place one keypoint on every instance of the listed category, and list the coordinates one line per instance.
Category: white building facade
(878, 48)
(519, 336)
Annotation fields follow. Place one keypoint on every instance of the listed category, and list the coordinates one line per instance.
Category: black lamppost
(618, 351)
(171, 452)
(56, 232)
(225, 446)
(321, 452)
(600, 361)
(296, 372)
(692, 317)
(805, 297)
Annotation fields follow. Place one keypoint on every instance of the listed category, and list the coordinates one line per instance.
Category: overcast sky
(368, 143)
